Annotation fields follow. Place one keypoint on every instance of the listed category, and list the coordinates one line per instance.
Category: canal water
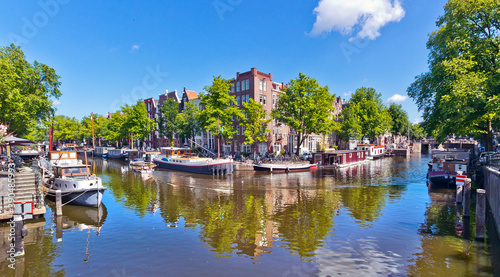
(376, 219)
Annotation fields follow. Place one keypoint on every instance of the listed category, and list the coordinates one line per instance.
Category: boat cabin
(63, 157)
(70, 171)
(339, 158)
(175, 151)
(371, 150)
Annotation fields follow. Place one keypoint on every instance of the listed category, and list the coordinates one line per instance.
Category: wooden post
(58, 202)
(59, 232)
(18, 236)
(459, 197)
(480, 213)
(466, 193)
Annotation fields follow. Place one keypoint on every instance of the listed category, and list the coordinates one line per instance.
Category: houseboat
(73, 179)
(338, 159)
(102, 151)
(372, 151)
(444, 166)
(118, 154)
(182, 159)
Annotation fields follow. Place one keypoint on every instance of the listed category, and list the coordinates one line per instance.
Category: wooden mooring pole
(466, 201)
(58, 202)
(480, 213)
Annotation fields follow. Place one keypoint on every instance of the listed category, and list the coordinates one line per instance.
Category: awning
(15, 141)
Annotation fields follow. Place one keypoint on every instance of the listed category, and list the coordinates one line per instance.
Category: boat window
(67, 171)
(75, 170)
(66, 185)
(91, 184)
(175, 152)
(72, 155)
(84, 170)
(74, 186)
(64, 156)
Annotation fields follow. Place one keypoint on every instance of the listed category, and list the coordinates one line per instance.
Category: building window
(237, 86)
(263, 99)
(274, 99)
(264, 86)
(238, 99)
(248, 84)
(260, 84)
(232, 88)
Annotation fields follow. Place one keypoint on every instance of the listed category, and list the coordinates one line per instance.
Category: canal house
(341, 158)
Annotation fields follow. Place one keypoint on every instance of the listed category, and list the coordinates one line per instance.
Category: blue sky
(111, 53)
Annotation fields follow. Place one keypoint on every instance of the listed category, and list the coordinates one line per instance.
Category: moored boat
(73, 179)
(444, 166)
(117, 154)
(182, 159)
(281, 167)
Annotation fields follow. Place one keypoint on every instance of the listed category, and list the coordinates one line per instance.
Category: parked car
(306, 156)
(483, 158)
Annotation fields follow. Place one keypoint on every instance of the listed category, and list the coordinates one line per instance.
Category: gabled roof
(190, 94)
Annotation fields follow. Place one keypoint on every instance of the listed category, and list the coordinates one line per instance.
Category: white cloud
(397, 98)
(347, 93)
(417, 120)
(135, 47)
(56, 103)
(367, 15)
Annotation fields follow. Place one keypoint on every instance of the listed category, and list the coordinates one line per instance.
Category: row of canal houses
(260, 87)
(252, 84)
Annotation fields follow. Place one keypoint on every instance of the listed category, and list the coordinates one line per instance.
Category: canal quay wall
(21, 188)
(492, 187)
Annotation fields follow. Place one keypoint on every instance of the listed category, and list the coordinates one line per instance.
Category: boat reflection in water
(81, 217)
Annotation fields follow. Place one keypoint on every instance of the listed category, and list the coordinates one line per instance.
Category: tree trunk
(297, 151)
(489, 137)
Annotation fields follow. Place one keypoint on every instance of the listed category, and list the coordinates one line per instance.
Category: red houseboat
(340, 158)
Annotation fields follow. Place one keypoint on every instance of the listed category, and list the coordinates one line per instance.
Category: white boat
(143, 169)
(282, 167)
(73, 179)
(182, 159)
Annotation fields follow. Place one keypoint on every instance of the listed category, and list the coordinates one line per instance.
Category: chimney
(271, 76)
(254, 71)
(237, 75)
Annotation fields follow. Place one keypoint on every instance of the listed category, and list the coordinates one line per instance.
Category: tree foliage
(26, 90)
(306, 107)
(459, 95)
(65, 128)
(365, 116)
(255, 122)
(218, 109)
(188, 122)
(137, 124)
(168, 122)
(399, 119)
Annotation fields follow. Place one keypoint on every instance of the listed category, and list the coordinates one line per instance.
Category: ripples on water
(376, 219)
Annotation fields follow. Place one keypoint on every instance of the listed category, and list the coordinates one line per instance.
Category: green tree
(416, 131)
(114, 128)
(399, 119)
(188, 122)
(255, 123)
(459, 95)
(137, 125)
(306, 107)
(26, 90)
(218, 108)
(168, 122)
(65, 128)
(367, 114)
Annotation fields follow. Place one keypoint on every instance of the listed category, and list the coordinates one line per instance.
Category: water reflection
(372, 219)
